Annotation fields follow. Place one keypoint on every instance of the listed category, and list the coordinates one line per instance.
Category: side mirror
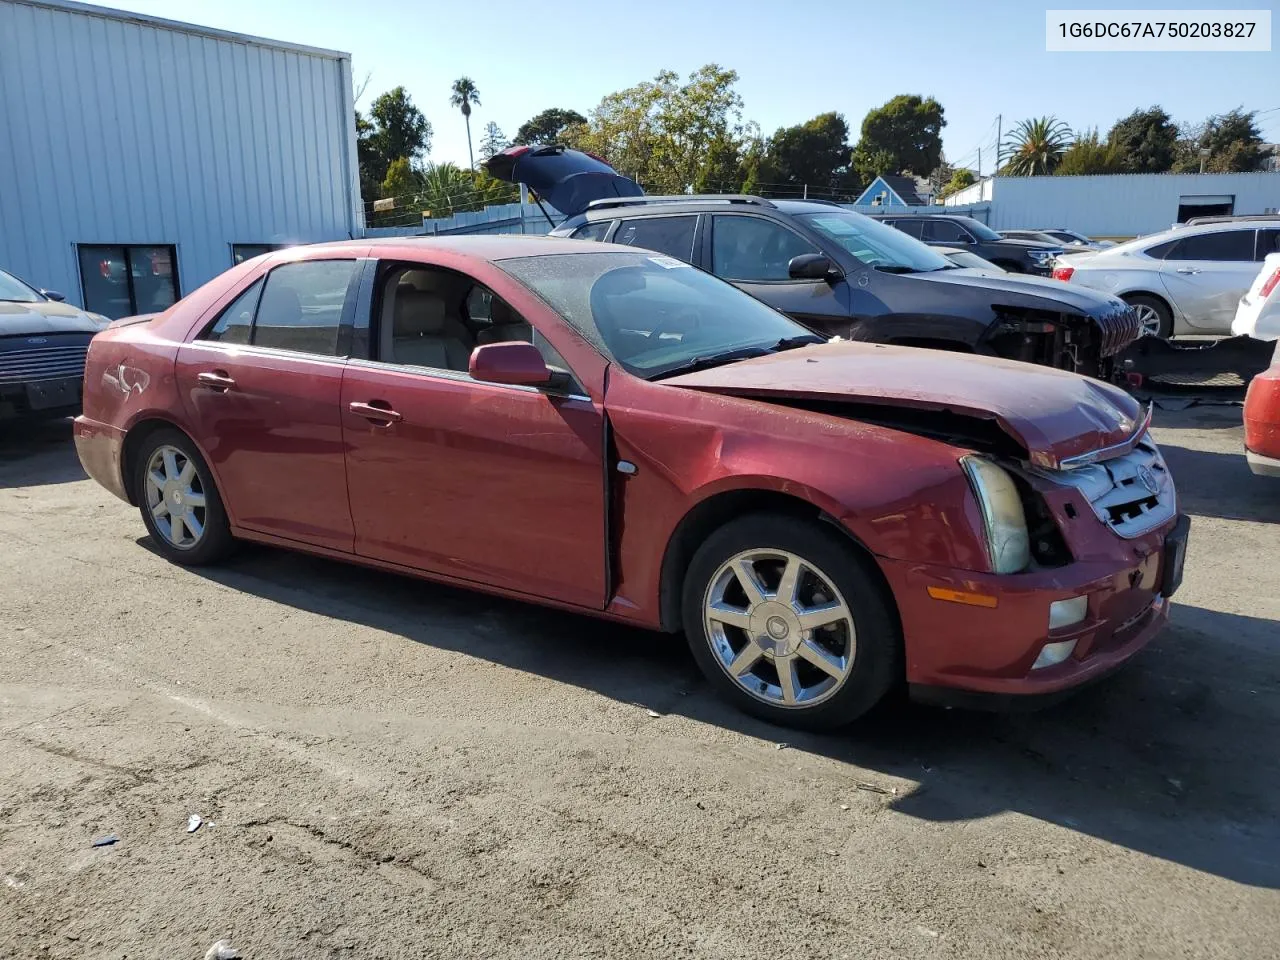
(515, 363)
(52, 295)
(812, 266)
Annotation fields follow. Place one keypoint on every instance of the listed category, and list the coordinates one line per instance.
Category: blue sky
(978, 59)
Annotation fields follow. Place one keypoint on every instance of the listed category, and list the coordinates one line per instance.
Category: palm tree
(1035, 146)
(464, 95)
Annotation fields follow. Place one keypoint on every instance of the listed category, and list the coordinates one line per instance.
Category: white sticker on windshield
(668, 262)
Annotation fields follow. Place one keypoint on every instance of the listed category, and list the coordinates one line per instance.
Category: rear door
(1206, 274)
(753, 254)
(676, 236)
(261, 383)
(494, 484)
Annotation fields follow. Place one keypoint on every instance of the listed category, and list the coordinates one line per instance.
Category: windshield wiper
(714, 360)
(895, 268)
(802, 340)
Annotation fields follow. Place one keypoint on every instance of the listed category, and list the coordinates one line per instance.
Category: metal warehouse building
(140, 157)
(1121, 205)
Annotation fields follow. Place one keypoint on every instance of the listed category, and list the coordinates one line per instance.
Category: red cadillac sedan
(614, 432)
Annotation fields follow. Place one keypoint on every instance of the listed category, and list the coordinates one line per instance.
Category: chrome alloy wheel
(779, 628)
(175, 497)
(1148, 318)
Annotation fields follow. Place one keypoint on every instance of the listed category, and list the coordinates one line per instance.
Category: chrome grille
(1120, 327)
(42, 363)
(1131, 494)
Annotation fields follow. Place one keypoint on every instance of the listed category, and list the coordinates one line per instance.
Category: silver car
(1187, 280)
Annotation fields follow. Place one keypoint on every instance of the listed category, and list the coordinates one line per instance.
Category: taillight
(1270, 284)
(1063, 273)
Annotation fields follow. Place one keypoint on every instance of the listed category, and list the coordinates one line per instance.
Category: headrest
(280, 304)
(501, 314)
(417, 313)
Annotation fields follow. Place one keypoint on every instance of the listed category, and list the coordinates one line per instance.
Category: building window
(122, 281)
(240, 252)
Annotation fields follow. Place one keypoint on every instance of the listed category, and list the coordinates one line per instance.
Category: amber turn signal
(960, 596)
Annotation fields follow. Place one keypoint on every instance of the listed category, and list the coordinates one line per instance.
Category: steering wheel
(685, 319)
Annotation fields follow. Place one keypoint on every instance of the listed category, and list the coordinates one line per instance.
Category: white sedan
(1258, 313)
(1187, 280)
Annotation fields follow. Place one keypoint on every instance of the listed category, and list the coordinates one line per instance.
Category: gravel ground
(388, 768)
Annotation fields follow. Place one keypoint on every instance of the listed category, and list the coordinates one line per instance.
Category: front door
(261, 386)
(494, 484)
(1206, 274)
(753, 253)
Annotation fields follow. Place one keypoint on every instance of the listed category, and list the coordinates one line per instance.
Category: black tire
(215, 542)
(877, 656)
(1139, 300)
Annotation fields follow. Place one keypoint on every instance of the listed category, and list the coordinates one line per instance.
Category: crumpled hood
(1023, 290)
(46, 316)
(1052, 414)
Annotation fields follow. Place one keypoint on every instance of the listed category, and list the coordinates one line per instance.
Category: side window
(1268, 243)
(236, 321)
(944, 231)
(752, 248)
(670, 235)
(302, 304)
(911, 228)
(1225, 245)
(593, 231)
(1161, 250)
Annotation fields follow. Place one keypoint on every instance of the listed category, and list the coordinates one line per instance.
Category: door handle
(217, 379)
(377, 414)
(1187, 270)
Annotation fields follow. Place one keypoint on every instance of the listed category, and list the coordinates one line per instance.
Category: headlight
(1008, 544)
(1040, 256)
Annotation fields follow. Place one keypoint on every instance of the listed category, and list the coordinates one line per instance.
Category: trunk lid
(567, 179)
(1054, 415)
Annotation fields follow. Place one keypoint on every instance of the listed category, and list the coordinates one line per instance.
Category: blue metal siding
(117, 130)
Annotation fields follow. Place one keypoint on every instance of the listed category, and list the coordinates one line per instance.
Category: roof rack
(1198, 221)
(610, 202)
(828, 203)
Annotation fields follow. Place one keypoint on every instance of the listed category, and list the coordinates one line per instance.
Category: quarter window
(121, 281)
(236, 322)
(1225, 245)
(752, 248)
(593, 231)
(670, 235)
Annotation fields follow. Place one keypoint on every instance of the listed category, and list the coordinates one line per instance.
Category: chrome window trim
(459, 376)
(249, 349)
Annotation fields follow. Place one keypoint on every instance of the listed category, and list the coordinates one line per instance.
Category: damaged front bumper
(1085, 344)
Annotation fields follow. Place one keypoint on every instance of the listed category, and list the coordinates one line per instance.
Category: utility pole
(979, 163)
(999, 131)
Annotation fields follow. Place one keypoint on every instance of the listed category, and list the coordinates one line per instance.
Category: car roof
(498, 246)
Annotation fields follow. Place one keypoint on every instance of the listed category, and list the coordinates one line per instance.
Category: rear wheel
(179, 501)
(1153, 315)
(789, 622)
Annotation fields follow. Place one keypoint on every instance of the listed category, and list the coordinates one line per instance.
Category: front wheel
(179, 501)
(790, 622)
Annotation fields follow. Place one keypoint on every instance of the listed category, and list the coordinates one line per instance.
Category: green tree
(903, 135)
(395, 128)
(960, 178)
(668, 135)
(1146, 141)
(1090, 155)
(464, 94)
(548, 126)
(815, 154)
(401, 182)
(493, 141)
(1035, 147)
(1232, 141)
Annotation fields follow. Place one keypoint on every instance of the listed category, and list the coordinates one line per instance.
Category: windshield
(14, 290)
(875, 244)
(653, 314)
(978, 228)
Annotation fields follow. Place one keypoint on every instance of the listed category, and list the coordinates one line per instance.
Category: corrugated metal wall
(120, 131)
(1121, 205)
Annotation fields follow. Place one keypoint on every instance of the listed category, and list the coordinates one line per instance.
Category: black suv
(1016, 256)
(836, 271)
